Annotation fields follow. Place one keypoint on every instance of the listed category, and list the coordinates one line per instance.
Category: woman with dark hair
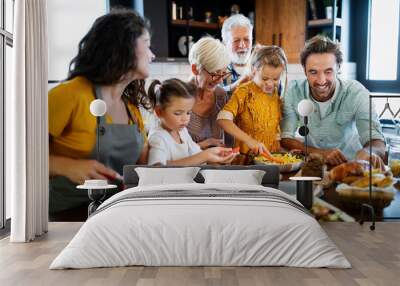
(111, 64)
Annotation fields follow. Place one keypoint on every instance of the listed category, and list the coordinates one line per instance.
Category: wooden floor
(374, 255)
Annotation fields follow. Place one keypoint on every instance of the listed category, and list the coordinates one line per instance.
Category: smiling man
(339, 125)
(237, 35)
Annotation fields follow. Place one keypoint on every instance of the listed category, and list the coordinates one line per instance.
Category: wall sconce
(98, 108)
(305, 108)
(96, 188)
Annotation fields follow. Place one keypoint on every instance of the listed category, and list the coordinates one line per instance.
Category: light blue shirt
(344, 126)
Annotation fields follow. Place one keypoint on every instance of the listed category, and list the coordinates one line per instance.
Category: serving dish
(293, 162)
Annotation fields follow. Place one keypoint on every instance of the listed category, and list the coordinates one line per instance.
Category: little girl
(170, 143)
(253, 113)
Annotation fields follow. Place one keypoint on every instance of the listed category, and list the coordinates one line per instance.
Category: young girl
(170, 143)
(252, 115)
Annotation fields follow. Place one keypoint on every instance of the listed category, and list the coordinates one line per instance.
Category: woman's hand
(90, 169)
(79, 170)
(220, 155)
(211, 142)
(245, 78)
(242, 79)
(256, 146)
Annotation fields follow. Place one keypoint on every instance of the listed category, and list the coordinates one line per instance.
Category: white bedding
(183, 231)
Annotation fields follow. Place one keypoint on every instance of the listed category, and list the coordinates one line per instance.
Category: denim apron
(120, 144)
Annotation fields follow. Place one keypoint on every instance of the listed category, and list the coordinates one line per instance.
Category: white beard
(239, 59)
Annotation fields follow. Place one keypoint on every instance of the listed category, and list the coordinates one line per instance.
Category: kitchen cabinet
(189, 20)
(282, 23)
(176, 24)
(286, 23)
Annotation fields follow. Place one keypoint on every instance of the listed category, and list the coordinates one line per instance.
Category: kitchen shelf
(187, 19)
(195, 24)
(337, 28)
(324, 22)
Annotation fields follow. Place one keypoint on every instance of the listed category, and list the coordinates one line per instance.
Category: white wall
(68, 22)
(165, 70)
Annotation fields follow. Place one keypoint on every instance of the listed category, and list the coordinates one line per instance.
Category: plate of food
(324, 211)
(355, 174)
(353, 180)
(287, 162)
(395, 167)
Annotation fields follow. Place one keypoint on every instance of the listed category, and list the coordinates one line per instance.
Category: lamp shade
(98, 107)
(305, 107)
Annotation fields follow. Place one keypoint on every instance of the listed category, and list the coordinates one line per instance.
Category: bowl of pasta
(287, 162)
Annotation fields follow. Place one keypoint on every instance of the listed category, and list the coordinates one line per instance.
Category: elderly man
(339, 125)
(237, 35)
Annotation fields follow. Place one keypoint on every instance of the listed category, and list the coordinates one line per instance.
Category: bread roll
(350, 179)
(378, 180)
(352, 168)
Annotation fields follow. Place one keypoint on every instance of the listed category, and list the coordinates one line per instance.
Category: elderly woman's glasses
(218, 76)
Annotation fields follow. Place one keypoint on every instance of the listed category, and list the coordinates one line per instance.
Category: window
(376, 44)
(6, 43)
(383, 40)
(9, 19)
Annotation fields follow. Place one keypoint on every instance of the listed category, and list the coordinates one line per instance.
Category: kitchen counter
(164, 68)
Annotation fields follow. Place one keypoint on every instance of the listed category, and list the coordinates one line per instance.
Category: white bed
(201, 224)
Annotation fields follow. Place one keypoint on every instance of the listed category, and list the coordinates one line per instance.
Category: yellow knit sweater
(256, 113)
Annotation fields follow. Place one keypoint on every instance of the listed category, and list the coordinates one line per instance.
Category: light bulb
(98, 107)
(305, 107)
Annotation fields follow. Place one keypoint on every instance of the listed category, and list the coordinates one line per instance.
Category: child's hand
(220, 155)
(229, 158)
(257, 147)
(235, 150)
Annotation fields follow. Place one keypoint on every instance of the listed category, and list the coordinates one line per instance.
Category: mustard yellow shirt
(72, 128)
(256, 113)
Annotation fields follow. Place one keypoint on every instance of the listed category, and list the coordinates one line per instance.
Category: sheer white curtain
(26, 123)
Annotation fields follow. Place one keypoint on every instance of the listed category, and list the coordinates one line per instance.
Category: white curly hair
(235, 21)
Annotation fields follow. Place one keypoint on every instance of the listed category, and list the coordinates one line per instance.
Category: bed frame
(270, 179)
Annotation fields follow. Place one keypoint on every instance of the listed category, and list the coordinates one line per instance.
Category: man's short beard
(240, 59)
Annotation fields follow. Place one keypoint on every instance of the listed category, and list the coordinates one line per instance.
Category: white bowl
(96, 183)
(305, 178)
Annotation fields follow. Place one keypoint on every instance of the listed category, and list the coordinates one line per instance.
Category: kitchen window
(383, 40)
(379, 67)
(6, 44)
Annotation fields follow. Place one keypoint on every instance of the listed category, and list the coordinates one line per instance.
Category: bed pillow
(166, 176)
(248, 177)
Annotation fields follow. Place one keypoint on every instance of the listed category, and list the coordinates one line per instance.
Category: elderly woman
(209, 60)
